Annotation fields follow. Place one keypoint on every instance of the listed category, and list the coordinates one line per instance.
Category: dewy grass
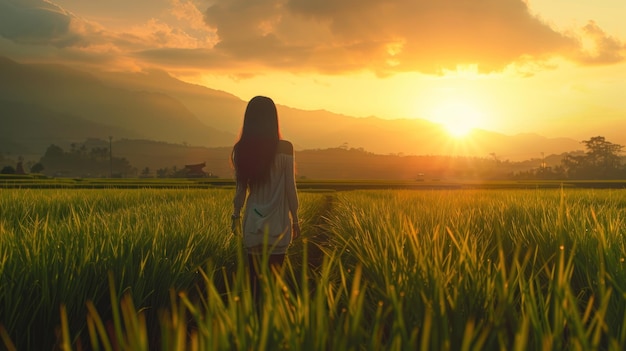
(445, 270)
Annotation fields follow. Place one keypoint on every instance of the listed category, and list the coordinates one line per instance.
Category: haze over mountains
(53, 104)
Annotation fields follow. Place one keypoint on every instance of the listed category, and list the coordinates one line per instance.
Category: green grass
(487, 269)
(434, 269)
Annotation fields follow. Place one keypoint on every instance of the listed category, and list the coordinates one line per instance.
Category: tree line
(79, 161)
(84, 162)
(600, 160)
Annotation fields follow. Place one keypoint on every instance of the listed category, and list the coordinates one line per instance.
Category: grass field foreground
(517, 269)
(444, 269)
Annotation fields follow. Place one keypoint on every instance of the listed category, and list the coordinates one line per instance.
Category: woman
(264, 172)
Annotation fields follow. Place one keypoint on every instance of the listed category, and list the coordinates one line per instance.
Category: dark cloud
(36, 22)
(54, 34)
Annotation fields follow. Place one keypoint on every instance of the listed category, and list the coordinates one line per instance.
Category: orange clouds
(603, 49)
(338, 36)
(322, 36)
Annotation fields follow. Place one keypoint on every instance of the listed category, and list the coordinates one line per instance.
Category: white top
(266, 217)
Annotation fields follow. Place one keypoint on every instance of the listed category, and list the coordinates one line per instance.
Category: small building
(195, 170)
(19, 169)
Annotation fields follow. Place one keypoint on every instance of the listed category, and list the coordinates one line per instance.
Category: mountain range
(43, 104)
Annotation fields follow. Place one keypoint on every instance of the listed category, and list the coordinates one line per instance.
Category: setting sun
(458, 118)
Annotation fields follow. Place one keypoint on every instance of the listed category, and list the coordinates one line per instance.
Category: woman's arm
(240, 198)
(290, 185)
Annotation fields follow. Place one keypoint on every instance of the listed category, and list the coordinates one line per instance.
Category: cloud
(159, 34)
(246, 37)
(189, 12)
(601, 48)
(42, 30)
(384, 36)
(43, 25)
(36, 22)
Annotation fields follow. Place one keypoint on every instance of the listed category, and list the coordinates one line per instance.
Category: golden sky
(554, 67)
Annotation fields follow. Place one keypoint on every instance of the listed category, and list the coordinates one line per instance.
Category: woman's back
(269, 203)
(266, 185)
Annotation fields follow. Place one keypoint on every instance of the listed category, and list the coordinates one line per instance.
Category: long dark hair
(254, 153)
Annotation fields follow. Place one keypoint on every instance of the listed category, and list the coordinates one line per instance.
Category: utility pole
(110, 156)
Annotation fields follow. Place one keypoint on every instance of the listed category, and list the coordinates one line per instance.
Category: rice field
(158, 269)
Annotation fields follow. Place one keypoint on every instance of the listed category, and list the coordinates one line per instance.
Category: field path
(319, 236)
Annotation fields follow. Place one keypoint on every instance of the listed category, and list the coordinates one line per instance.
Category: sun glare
(457, 117)
(458, 130)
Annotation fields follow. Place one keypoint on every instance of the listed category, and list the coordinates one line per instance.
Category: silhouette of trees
(7, 170)
(99, 153)
(543, 173)
(162, 172)
(81, 162)
(600, 161)
(145, 172)
(37, 168)
(19, 168)
(53, 151)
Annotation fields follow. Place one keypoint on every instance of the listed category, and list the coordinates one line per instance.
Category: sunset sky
(555, 67)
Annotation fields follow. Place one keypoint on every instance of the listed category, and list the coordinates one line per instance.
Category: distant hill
(27, 129)
(45, 104)
(127, 113)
